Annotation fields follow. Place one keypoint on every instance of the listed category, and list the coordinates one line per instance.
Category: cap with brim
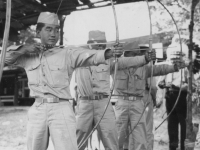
(48, 18)
(96, 41)
(97, 36)
(130, 48)
(144, 47)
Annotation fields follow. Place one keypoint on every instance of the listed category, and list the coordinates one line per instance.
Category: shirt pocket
(139, 82)
(33, 74)
(103, 73)
(121, 81)
(59, 76)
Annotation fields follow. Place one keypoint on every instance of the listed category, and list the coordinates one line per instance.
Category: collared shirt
(50, 72)
(152, 83)
(132, 81)
(175, 77)
(95, 80)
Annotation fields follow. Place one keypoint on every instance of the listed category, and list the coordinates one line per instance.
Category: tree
(28, 35)
(180, 9)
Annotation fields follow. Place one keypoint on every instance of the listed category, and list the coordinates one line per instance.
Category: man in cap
(94, 88)
(150, 101)
(130, 90)
(49, 70)
(172, 82)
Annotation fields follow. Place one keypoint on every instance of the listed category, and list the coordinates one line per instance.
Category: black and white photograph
(99, 74)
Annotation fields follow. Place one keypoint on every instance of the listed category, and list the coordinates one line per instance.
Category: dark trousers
(178, 116)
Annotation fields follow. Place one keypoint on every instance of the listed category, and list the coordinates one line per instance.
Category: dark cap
(97, 36)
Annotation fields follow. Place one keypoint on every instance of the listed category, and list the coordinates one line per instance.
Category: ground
(13, 122)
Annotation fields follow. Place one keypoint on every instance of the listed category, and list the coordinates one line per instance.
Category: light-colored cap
(48, 18)
(97, 36)
(132, 46)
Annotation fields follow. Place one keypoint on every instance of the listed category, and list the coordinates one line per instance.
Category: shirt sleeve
(159, 70)
(153, 87)
(81, 57)
(127, 62)
(13, 55)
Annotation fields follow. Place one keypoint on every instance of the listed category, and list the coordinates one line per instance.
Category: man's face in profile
(131, 53)
(49, 34)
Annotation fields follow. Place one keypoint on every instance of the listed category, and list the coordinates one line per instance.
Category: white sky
(133, 21)
(132, 18)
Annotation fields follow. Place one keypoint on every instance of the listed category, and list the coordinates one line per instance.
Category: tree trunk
(16, 90)
(62, 21)
(192, 129)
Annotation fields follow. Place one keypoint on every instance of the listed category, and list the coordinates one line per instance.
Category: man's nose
(53, 33)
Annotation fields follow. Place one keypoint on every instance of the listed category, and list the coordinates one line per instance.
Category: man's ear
(38, 34)
(90, 46)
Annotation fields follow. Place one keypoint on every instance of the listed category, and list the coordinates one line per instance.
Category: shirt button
(44, 84)
(43, 74)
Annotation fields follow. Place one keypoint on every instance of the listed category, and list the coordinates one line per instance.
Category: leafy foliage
(180, 9)
(28, 35)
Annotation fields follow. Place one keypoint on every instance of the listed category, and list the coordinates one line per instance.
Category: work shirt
(175, 78)
(152, 83)
(95, 80)
(50, 72)
(132, 81)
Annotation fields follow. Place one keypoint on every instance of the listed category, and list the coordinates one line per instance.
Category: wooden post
(192, 129)
(62, 21)
(16, 90)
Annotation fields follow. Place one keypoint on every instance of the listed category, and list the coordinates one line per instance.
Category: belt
(176, 92)
(50, 100)
(173, 90)
(93, 97)
(130, 98)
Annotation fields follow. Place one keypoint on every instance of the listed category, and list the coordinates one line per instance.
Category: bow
(113, 85)
(151, 64)
(191, 128)
(117, 43)
(180, 42)
(5, 36)
(150, 45)
(59, 6)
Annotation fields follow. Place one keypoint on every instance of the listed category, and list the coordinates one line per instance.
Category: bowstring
(180, 42)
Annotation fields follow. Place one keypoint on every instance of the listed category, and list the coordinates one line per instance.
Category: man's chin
(51, 43)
